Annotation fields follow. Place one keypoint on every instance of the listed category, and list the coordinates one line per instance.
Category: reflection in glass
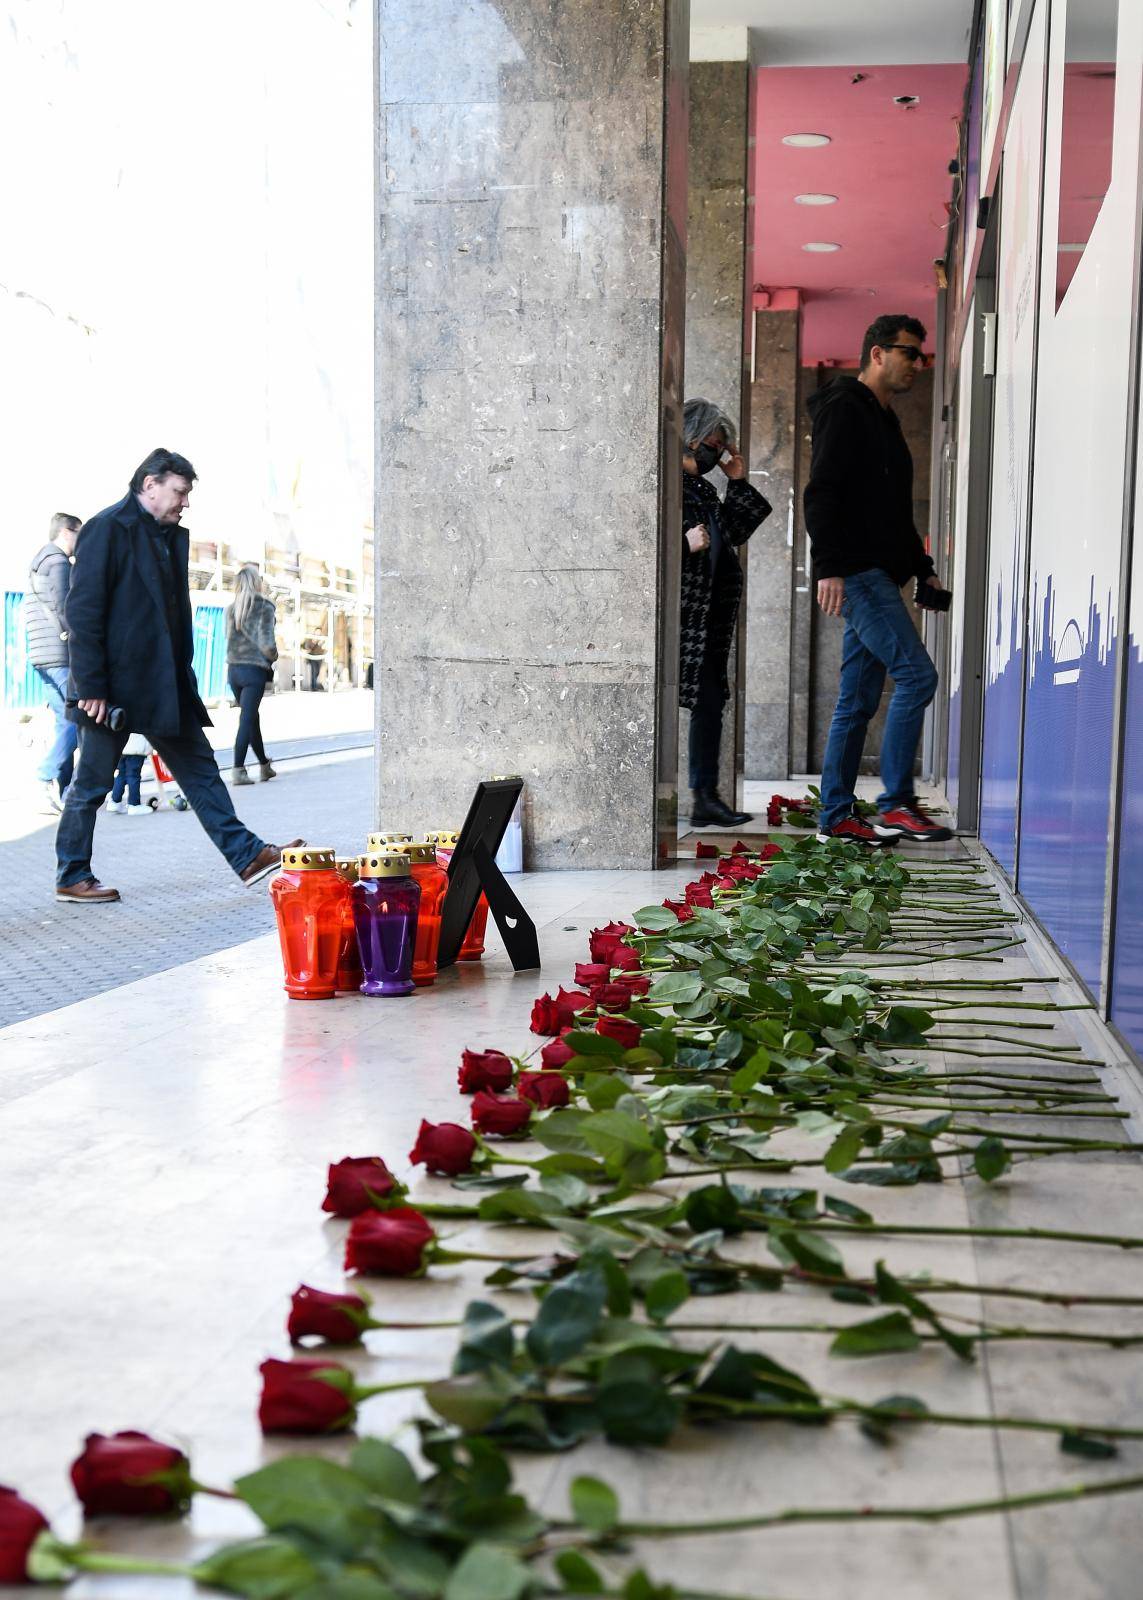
(1088, 117)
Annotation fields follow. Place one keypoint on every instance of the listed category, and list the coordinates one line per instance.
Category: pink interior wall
(889, 169)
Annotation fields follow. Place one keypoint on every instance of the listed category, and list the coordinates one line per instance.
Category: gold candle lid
(386, 841)
(347, 868)
(443, 838)
(387, 864)
(308, 858)
(424, 850)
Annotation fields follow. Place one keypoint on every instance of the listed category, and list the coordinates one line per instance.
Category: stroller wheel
(181, 803)
(153, 802)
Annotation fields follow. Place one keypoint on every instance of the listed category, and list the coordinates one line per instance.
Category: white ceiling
(842, 33)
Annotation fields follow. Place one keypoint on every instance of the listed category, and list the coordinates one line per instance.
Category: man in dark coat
(130, 633)
(711, 589)
(49, 578)
(859, 516)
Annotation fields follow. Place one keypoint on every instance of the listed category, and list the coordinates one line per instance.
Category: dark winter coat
(712, 579)
(255, 644)
(49, 578)
(130, 633)
(859, 498)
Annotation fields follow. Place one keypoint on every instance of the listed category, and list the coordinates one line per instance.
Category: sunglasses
(910, 350)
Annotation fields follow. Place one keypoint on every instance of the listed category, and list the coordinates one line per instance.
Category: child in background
(127, 776)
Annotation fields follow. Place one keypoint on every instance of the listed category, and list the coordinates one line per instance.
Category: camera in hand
(115, 720)
(930, 598)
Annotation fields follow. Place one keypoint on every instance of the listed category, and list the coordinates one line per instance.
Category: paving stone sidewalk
(180, 900)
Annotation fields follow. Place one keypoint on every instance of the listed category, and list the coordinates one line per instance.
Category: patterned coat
(710, 599)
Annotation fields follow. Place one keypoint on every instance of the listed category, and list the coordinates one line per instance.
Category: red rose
(110, 1476)
(697, 894)
(740, 849)
(612, 996)
(20, 1526)
(774, 811)
(637, 983)
(544, 1089)
(705, 851)
(444, 1147)
(392, 1244)
(568, 1002)
(604, 941)
(556, 1054)
(769, 851)
(504, 1115)
(297, 1398)
(484, 1069)
(545, 1015)
(590, 973)
(680, 908)
(626, 959)
(349, 1179)
(729, 883)
(336, 1318)
(628, 1033)
(708, 880)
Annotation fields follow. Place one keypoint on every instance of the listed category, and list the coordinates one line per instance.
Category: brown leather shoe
(88, 893)
(267, 860)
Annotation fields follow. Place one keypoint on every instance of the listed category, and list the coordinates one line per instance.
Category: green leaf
(519, 1205)
(569, 1315)
(748, 1075)
(304, 1492)
(594, 1504)
(675, 989)
(472, 1401)
(572, 1193)
(577, 1573)
(807, 1250)
(991, 1159)
(1073, 1443)
(712, 1206)
(488, 1572)
(666, 1294)
(386, 1470)
(893, 1331)
(878, 1424)
(843, 1208)
(655, 918)
(357, 1585)
(561, 1130)
(890, 1291)
(602, 1090)
(593, 1044)
(486, 1339)
(259, 1569)
(846, 1148)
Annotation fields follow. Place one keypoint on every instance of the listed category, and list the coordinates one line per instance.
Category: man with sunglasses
(859, 516)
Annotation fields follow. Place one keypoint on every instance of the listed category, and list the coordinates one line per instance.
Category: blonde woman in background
(250, 655)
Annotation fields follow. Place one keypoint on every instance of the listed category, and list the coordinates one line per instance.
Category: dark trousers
(194, 769)
(127, 777)
(248, 685)
(315, 672)
(706, 727)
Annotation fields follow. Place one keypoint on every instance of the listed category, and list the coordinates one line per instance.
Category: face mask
(706, 458)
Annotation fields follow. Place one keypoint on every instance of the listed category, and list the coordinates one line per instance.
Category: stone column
(774, 403)
(530, 274)
(717, 232)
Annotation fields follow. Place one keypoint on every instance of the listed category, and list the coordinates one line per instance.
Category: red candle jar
(472, 947)
(309, 902)
(349, 973)
(433, 879)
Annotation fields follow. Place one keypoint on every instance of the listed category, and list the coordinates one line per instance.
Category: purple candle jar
(385, 904)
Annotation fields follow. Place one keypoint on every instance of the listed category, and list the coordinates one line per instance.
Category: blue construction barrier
(23, 690)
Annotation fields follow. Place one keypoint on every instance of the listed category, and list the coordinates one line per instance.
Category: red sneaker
(856, 832)
(910, 821)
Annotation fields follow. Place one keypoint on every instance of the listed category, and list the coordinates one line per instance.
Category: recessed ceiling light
(820, 248)
(815, 199)
(806, 141)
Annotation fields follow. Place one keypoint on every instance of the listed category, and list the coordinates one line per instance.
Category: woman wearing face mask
(711, 589)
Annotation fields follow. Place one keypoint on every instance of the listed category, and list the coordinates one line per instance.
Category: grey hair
(701, 417)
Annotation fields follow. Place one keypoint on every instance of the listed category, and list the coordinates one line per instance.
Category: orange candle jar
(349, 973)
(309, 902)
(433, 879)
(473, 947)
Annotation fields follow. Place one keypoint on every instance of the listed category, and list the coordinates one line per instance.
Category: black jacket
(122, 645)
(712, 579)
(859, 500)
(48, 579)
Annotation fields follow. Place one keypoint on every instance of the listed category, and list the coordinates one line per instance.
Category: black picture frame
(473, 869)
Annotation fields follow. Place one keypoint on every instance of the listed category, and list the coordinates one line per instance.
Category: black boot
(708, 807)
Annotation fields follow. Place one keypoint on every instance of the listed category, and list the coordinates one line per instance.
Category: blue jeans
(60, 759)
(194, 769)
(127, 777)
(879, 638)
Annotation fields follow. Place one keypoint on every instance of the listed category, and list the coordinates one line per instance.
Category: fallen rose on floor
(604, 942)
(392, 1244)
(550, 1013)
(351, 1181)
(444, 1147)
(611, 996)
(556, 1054)
(111, 1476)
(484, 1069)
(501, 1115)
(311, 1396)
(590, 973)
(318, 1314)
(626, 1032)
(20, 1526)
(544, 1089)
